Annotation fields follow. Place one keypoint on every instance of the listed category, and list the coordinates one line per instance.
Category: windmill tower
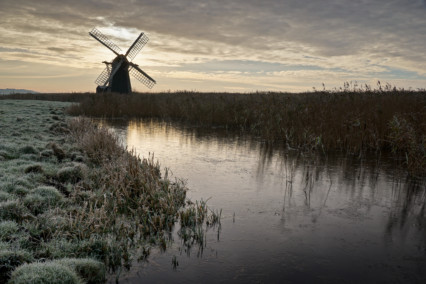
(115, 78)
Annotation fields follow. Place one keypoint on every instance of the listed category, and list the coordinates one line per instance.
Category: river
(286, 217)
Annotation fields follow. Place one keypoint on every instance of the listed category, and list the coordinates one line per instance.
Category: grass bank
(353, 121)
(74, 204)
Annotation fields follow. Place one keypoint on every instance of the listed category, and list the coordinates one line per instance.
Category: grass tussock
(7, 230)
(47, 272)
(70, 174)
(89, 270)
(33, 169)
(349, 120)
(10, 259)
(191, 229)
(4, 196)
(41, 199)
(13, 210)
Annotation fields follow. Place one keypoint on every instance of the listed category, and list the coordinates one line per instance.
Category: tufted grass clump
(90, 270)
(13, 210)
(28, 149)
(57, 151)
(47, 153)
(94, 247)
(49, 192)
(29, 157)
(7, 230)
(6, 154)
(35, 168)
(5, 196)
(59, 128)
(71, 174)
(43, 229)
(8, 188)
(194, 214)
(23, 181)
(20, 190)
(46, 273)
(4, 245)
(36, 203)
(42, 198)
(10, 259)
(77, 157)
(53, 248)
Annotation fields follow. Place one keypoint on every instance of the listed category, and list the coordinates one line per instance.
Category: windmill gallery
(115, 77)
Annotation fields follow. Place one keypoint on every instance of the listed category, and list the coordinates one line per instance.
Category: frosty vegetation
(75, 205)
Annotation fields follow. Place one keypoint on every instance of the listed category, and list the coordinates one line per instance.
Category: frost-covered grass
(28, 167)
(74, 203)
(47, 272)
(90, 270)
(10, 259)
(37, 172)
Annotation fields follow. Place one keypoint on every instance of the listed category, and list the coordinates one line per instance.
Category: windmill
(115, 77)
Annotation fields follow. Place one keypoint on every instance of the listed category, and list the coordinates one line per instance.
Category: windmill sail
(103, 78)
(96, 34)
(144, 78)
(137, 46)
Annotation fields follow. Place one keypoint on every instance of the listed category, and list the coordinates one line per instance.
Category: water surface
(286, 217)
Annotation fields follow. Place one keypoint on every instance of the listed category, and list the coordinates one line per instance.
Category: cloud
(362, 38)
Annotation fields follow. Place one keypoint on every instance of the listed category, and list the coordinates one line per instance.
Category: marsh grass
(195, 220)
(13, 210)
(352, 120)
(72, 197)
(42, 198)
(355, 119)
(4, 196)
(89, 270)
(7, 230)
(44, 272)
(10, 259)
(70, 174)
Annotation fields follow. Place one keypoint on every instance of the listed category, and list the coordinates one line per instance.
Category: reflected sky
(286, 216)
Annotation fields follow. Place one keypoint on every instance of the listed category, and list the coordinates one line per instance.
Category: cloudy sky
(206, 45)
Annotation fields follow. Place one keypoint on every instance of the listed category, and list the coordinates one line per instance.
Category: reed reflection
(341, 206)
(349, 186)
(316, 181)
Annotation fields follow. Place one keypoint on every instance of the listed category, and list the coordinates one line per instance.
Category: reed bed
(353, 121)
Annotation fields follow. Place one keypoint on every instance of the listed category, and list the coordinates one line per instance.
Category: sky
(206, 45)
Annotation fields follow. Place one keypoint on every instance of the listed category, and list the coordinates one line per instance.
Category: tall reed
(353, 121)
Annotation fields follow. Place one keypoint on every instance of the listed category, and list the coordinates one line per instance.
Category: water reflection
(287, 216)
